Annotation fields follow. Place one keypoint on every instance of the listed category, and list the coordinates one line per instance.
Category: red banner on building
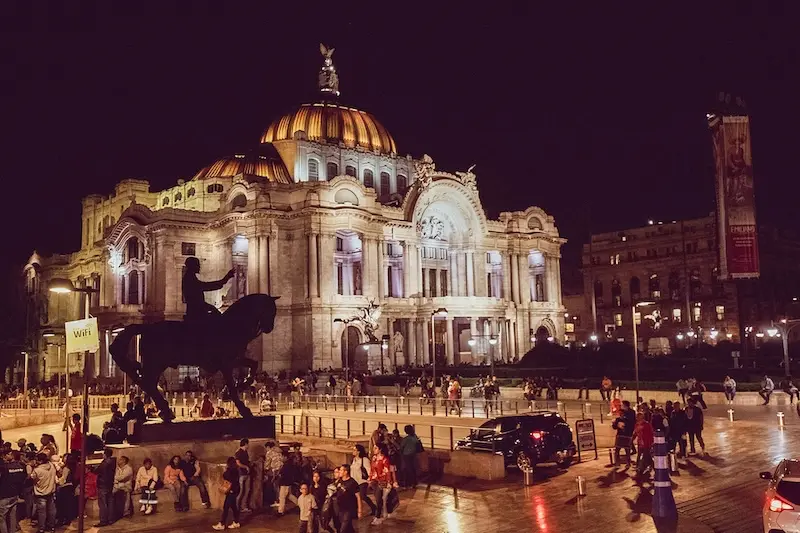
(736, 207)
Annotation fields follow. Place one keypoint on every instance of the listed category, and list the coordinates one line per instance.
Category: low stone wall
(19, 419)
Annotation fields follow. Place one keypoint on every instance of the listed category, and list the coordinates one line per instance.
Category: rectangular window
(720, 312)
(188, 248)
(432, 280)
(489, 285)
(339, 244)
(339, 278)
(676, 315)
(390, 288)
(443, 281)
(696, 313)
(618, 319)
(637, 318)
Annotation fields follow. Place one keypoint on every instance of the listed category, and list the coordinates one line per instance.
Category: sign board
(585, 435)
(736, 207)
(82, 335)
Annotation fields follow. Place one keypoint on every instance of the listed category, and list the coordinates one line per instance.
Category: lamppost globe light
(492, 340)
(772, 331)
(593, 337)
(760, 334)
(472, 342)
(690, 334)
(679, 336)
(441, 312)
(645, 303)
(48, 334)
(550, 339)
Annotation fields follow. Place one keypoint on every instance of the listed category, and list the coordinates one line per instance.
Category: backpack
(364, 473)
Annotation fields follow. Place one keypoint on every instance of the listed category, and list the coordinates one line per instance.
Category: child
(307, 504)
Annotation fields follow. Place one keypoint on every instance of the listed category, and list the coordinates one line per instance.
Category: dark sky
(579, 112)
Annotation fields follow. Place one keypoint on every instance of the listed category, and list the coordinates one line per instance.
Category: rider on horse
(193, 289)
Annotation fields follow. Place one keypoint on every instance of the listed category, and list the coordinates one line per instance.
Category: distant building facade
(324, 213)
(674, 266)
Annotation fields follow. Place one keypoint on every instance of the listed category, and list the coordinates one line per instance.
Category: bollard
(780, 419)
(527, 477)
(663, 500)
(673, 462)
(587, 409)
(611, 457)
(581, 482)
(730, 415)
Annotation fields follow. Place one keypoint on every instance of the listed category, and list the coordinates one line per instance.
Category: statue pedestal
(371, 354)
(257, 427)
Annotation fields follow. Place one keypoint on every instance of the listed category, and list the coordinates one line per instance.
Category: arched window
(369, 179)
(133, 287)
(333, 170)
(99, 227)
(218, 187)
(385, 187)
(165, 201)
(210, 188)
(654, 286)
(190, 193)
(598, 292)
(313, 170)
(402, 184)
(350, 170)
(636, 288)
(616, 293)
(178, 197)
(239, 201)
(133, 248)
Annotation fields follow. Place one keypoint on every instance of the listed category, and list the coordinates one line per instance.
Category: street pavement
(716, 493)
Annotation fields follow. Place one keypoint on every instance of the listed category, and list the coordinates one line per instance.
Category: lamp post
(443, 313)
(25, 378)
(784, 328)
(62, 286)
(636, 343)
(345, 322)
(384, 347)
(492, 342)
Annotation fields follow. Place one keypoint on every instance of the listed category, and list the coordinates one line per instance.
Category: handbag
(225, 487)
(364, 473)
(392, 500)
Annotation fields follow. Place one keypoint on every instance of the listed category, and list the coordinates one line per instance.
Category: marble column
(425, 285)
(272, 269)
(313, 267)
(426, 340)
(506, 288)
(420, 275)
(139, 289)
(470, 274)
(327, 267)
(514, 261)
(524, 279)
(411, 340)
(252, 264)
(406, 293)
(263, 264)
(453, 274)
(473, 331)
(449, 343)
(380, 266)
(385, 278)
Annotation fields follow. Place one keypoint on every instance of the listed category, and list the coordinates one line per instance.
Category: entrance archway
(351, 338)
(542, 334)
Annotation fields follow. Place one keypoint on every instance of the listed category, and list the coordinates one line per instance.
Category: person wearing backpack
(360, 471)
(410, 446)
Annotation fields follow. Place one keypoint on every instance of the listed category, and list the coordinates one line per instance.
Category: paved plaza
(720, 492)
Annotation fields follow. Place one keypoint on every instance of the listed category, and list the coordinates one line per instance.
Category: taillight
(537, 435)
(778, 504)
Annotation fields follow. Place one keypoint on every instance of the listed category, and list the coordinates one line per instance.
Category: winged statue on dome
(328, 79)
(369, 316)
(468, 177)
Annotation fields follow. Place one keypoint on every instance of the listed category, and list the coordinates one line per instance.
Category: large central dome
(332, 123)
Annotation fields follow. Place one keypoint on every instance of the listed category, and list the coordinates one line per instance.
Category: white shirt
(355, 469)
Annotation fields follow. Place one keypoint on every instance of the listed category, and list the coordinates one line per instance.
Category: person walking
(683, 388)
(644, 435)
(320, 492)
(624, 425)
(346, 500)
(767, 386)
(360, 470)
(382, 479)
(694, 426)
(230, 488)
(44, 491)
(307, 505)
(696, 392)
(677, 429)
(287, 477)
(273, 461)
(729, 384)
(12, 478)
(243, 462)
(105, 472)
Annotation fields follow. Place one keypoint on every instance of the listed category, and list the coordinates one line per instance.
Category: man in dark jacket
(105, 487)
(694, 426)
(12, 477)
(624, 425)
(677, 429)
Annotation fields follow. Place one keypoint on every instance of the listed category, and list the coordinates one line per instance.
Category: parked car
(524, 440)
(781, 511)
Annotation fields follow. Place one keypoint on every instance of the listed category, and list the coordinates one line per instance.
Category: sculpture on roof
(369, 317)
(424, 170)
(328, 78)
(467, 178)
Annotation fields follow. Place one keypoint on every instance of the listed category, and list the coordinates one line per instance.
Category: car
(524, 440)
(781, 513)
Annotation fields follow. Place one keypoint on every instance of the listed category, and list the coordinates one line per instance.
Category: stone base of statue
(194, 429)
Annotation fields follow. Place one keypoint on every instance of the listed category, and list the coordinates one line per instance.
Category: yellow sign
(82, 335)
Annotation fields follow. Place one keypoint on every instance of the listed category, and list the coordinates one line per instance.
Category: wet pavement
(719, 492)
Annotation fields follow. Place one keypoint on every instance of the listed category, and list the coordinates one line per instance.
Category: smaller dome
(263, 162)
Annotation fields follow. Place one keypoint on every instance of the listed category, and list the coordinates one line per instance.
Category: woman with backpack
(360, 471)
(410, 446)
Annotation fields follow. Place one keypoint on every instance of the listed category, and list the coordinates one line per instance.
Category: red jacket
(644, 434)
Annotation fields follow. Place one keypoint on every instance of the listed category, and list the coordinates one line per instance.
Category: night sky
(596, 116)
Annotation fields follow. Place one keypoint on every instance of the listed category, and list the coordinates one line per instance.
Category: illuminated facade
(325, 214)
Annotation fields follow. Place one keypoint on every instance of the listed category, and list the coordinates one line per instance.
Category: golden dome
(332, 123)
(263, 162)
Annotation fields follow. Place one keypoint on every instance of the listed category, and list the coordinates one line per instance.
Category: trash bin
(527, 477)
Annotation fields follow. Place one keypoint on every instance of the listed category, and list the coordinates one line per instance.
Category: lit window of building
(676, 314)
(696, 314)
(618, 319)
(720, 312)
(637, 318)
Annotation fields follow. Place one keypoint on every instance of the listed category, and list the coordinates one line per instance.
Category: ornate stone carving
(431, 228)
(468, 178)
(424, 171)
(369, 316)
(114, 259)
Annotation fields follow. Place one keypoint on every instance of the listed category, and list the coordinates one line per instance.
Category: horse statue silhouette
(215, 344)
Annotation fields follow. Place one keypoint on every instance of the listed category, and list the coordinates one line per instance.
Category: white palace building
(326, 214)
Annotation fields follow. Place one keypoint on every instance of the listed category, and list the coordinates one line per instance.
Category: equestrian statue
(214, 341)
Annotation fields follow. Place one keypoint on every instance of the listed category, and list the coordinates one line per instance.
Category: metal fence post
(320, 426)
(306, 425)
(334, 427)
(294, 424)
(452, 447)
(432, 446)
(281, 422)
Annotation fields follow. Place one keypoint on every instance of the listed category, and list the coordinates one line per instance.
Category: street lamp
(593, 337)
(345, 322)
(384, 346)
(492, 342)
(62, 286)
(679, 336)
(442, 312)
(644, 303)
(782, 331)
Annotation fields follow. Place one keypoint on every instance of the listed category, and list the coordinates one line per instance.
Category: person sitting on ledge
(196, 306)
